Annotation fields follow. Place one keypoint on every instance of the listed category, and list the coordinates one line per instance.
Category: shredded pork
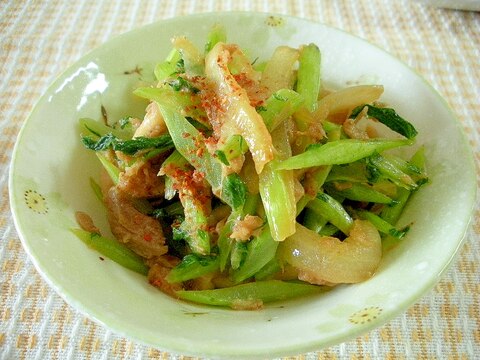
(141, 233)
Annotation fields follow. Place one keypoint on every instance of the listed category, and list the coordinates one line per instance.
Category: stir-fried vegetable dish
(247, 181)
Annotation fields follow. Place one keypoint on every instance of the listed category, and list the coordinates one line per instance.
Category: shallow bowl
(50, 172)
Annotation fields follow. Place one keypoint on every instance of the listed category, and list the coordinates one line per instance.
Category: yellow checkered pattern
(39, 39)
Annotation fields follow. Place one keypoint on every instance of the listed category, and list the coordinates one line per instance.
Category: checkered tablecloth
(39, 39)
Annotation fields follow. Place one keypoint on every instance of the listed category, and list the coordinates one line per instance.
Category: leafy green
(181, 84)
(172, 65)
(234, 191)
(129, 147)
(259, 251)
(193, 266)
(98, 129)
(388, 117)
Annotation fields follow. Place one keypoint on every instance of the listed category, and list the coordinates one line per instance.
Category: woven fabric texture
(39, 39)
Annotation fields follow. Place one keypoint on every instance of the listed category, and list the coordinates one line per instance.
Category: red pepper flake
(147, 237)
(198, 176)
(200, 152)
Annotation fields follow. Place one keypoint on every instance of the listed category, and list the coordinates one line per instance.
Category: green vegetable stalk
(113, 250)
(339, 152)
(251, 294)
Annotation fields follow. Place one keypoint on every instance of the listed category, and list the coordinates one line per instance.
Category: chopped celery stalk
(152, 153)
(250, 205)
(314, 180)
(224, 242)
(329, 126)
(169, 188)
(243, 294)
(174, 209)
(304, 200)
(113, 250)
(260, 250)
(405, 166)
(176, 160)
(234, 147)
(169, 67)
(308, 75)
(195, 222)
(99, 129)
(357, 192)
(277, 189)
(191, 267)
(313, 221)
(187, 139)
(388, 169)
(192, 58)
(339, 152)
(190, 143)
(217, 34)
(392, 213)
(328, 230)
(236, 113)
(96, 189)
(279, 107)
(279, 72)
(388, 117)
(418, 160)
(270, 269)
(259, 66)
(333, 211)
(310, 130)
(239, 252)
(222, 157)
(190, 230)
(382, 225)
(354, 172)
(112, 170)
(196, 208)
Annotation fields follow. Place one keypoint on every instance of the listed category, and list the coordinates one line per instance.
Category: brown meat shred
(140, 180)
(159, 269)
(139, 232)
(246, 228)
(153, 124)
(85, 222)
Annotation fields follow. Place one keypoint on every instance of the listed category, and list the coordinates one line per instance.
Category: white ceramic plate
(49, 181)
